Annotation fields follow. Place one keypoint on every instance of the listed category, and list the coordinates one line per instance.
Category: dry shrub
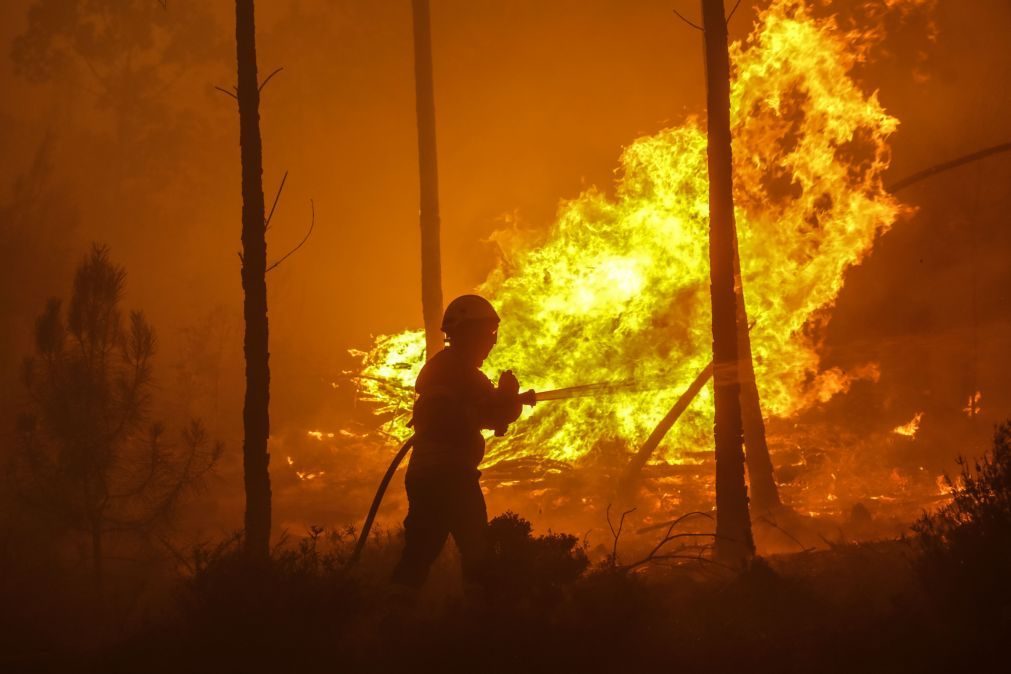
(966, 546)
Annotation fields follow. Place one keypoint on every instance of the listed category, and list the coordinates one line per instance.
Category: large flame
(619, 288)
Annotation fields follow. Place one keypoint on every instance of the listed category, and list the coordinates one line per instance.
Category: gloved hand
(509, 395)
(508, 384)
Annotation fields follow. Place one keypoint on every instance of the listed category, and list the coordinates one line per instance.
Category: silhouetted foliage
(36, 223)
(89, 460)
(966, 545)
(133, 49)
(531, 568)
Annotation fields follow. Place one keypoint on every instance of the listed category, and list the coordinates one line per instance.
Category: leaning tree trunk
(733, 526)
(431, 266)
(764, 493)
(256, 424)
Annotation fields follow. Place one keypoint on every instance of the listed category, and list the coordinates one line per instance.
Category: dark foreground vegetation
(938, 600)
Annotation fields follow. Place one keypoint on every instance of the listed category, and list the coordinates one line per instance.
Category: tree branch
(616, 533)
(269, 77)
(947, 166)
(277, 197)
(301, 243)
(693, 25)
(226, 92)
(793, 538)
(731, 15)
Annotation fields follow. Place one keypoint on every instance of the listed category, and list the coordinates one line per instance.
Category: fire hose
(527, 398)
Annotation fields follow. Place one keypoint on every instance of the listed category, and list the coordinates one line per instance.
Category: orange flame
(911, 428)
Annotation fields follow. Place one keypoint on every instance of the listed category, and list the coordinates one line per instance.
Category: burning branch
(631, 476)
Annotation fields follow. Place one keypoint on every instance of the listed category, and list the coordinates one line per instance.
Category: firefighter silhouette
(456, 401)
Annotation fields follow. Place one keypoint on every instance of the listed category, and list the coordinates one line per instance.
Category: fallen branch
(672, 523)
(786, 533)
(635, 466)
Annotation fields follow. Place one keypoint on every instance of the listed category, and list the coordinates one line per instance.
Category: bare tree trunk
(764, 493)
(256, 423)
(431, 265)
(97, 561)
(734, 543)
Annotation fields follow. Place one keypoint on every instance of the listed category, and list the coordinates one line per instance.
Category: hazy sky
(534, 100)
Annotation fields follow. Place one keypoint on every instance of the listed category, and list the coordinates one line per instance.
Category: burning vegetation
(617, 290)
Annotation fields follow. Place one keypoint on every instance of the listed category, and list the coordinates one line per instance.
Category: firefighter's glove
(510, 404)
(508, 384)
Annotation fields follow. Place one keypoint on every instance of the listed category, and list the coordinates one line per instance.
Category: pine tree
(431, 264)
(734, 543)
(255, 413)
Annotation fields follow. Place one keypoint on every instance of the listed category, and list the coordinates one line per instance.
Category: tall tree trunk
(97, 561)
(431, 265)
(733, 525)
(764, 493)
(255, 420)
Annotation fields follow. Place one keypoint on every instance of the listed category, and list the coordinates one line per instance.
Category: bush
(531, 569)
(966, 546)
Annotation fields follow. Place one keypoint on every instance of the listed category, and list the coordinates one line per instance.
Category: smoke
(534, 101)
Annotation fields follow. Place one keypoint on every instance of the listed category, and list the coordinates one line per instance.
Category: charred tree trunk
(733, 525)
(431, 265)
(764, 493)
(256, 423)
(630, 479)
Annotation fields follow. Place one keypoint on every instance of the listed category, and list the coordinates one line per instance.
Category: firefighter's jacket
(455, 402)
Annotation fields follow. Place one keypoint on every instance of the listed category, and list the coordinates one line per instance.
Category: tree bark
(255, 419)
(734, 544)
(431, 265)
(764, 493)
(97, 561)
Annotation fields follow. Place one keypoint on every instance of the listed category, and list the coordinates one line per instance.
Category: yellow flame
(619, 289)
(911, 428)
